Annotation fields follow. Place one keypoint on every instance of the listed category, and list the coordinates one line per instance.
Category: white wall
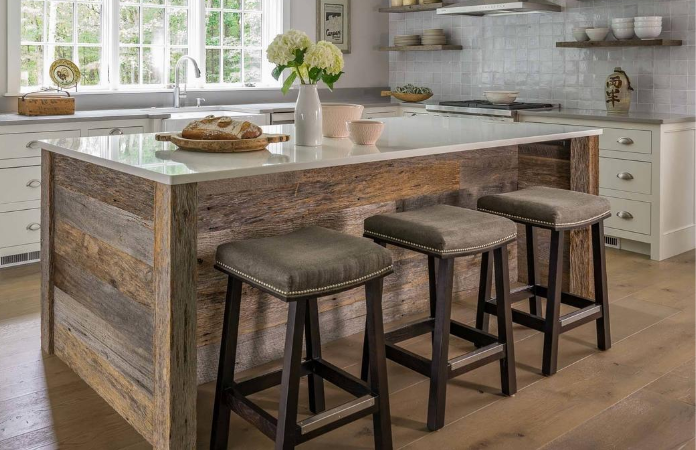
(365, 66)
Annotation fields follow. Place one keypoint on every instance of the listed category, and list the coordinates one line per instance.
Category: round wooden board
(226, 146)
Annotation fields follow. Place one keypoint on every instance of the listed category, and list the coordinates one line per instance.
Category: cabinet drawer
(115, 131)
(636, 215)
(20, 227)
(623, 175)
(620, 140)
(15, 145)
(20, 184)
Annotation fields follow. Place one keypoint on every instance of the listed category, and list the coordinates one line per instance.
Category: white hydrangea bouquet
(309, 62)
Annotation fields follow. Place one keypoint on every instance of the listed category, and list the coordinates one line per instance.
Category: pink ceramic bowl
(335, 116)
(365, 132)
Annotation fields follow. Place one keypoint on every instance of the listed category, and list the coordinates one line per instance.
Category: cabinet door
(629, 215)
(115, 131)
(20, 184)
(17, 145)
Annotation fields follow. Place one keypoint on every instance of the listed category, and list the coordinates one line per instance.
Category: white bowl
(501, 97)
(622, 20)
(597, 34)
(335, 117)
(365, 132)
(645, 33)
(580, 35)
(647, 19)
(623, 33)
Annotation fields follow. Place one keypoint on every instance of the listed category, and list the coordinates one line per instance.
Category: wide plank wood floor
(638, 395)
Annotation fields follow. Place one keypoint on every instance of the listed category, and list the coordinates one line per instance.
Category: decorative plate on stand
(65, 73)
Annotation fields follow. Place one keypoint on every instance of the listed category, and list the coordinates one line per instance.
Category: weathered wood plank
(544, 164)
(47, 248)
(117, 227)
(131, 401)
(584, 177)
(129, 275)
(132, 320)
(175, 316)
(107, 340)
(127, 192)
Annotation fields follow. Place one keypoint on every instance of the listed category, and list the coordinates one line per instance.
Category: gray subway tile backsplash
(518, 53)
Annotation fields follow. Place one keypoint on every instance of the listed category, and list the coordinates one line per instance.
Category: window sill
(157, 91)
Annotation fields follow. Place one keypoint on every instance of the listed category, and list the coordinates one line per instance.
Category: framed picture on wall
(333, 23)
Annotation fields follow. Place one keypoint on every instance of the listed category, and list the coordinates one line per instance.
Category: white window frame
(276, 19)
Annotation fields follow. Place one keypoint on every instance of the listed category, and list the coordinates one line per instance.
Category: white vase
(308, 124)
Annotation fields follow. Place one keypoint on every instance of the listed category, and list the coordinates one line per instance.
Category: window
(135, 44)
(61, 29)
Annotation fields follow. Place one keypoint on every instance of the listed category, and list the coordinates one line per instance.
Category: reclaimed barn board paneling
(47, 251)
(175, 316)
(127, 192)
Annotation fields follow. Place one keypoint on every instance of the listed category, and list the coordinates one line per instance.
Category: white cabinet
(381, 111)
(647, 172)
(20, 179)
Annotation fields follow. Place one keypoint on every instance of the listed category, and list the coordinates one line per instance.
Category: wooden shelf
(420, 48)
(413, 8)
(628, 43)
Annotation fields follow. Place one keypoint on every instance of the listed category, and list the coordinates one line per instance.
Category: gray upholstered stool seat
(547, 207)
(310, 261)
(442, 230)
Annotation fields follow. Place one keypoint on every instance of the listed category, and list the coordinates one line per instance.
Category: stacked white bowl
(648, 27)
(623, 28)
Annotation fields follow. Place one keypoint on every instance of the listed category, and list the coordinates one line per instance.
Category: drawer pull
(34, 183)
(34, 226)
(624, 176)
(624, 215)
(116, 132)
(625, 141)
(31, 144)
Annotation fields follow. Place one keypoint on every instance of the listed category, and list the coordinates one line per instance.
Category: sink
(183, 116)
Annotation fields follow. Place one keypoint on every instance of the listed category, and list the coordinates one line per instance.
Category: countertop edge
(561, 114)
(263, 170)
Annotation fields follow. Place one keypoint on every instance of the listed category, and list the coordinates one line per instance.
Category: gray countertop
(597, 114)
(124, 114)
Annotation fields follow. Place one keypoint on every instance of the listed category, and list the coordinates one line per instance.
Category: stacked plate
(407, 40)
(435, 36)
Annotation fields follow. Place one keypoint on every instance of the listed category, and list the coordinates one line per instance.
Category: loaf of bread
(223, 128)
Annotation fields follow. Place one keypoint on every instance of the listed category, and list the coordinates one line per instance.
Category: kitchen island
(130, 298)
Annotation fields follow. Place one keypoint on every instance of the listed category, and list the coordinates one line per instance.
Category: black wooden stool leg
(532, 268)
(432, 291)
(553, 304)
(438, 367)
(484, 292)
(508, 379)
(378, 363)
(290, 381)
(600, 285)
(313, 342)
(365, 365)
(228, 354)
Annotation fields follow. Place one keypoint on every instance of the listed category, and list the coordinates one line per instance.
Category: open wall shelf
(627, 43)
(413, 8)
(420, 48)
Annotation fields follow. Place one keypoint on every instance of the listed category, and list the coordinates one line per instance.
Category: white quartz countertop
(597, 114)
(403, 137)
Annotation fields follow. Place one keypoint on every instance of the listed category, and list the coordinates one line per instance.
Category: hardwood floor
(639, 395)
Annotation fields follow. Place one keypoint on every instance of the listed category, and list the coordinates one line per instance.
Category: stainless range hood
(499, 7)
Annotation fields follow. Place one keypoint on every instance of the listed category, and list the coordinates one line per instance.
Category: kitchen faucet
(177, 90)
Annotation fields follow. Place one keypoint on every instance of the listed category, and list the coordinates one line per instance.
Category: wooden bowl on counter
(409, 98)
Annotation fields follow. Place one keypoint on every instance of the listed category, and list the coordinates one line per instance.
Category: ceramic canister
(617, 92)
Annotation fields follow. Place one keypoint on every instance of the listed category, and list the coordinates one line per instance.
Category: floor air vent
(13, 260)
(613, 242)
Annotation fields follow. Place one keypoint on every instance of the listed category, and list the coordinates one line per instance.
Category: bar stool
(444, 233)
(557, 210)
(297, 268)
